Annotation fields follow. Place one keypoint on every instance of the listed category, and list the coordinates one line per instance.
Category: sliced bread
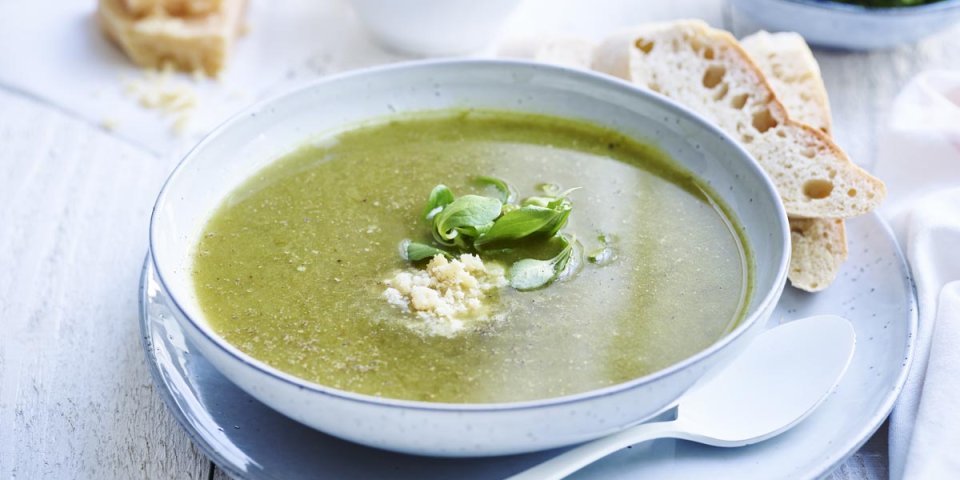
(793, 72)
(819, 245)
(708, 71)
(818, 248)
(188, 43)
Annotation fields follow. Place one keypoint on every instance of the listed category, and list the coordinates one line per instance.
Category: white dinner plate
(874, 290)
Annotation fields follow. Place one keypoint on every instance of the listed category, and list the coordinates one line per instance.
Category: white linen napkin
(919, 158)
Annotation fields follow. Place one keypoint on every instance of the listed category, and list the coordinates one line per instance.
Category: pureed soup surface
(290, 269)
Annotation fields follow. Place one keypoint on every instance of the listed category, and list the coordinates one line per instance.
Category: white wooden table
(76, 399)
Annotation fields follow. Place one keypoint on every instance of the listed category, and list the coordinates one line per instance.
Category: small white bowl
(831, 24)
(433, 27)
(256, 137)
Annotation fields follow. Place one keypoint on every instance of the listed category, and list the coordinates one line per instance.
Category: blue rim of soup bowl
(924, 9)
(772, 295)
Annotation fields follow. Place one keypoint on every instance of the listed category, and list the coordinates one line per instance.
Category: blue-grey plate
(831, 24)
(874, 290)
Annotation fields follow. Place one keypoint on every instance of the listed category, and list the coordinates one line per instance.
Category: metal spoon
(778, 380)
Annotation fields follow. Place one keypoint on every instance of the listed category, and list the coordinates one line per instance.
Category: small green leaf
(466, 211)
(506, 193)
(530, 274)
(520, 223)
(558, 223)
(475, 231)
(440, 197)
(571, 251)
(416, 252)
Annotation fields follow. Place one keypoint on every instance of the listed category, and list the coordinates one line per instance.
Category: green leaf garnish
(559, 222)
(550, 201)
(507, 194)
(416, 252)
(523, 222)
(467, 211)
(471, 222)
(440, 197)
(531, 274)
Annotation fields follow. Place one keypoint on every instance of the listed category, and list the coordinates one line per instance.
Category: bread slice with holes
(818, 245)
(818, 249)
(793, 72)
(707, 70)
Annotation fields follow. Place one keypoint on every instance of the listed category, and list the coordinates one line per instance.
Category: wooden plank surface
(76, 400)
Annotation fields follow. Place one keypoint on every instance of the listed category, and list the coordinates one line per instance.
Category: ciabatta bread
(188, 43)
(708, 71)
(818, 249)
(818, 245)
(793, 72)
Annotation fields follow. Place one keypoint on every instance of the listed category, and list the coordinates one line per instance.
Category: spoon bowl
(778, 380)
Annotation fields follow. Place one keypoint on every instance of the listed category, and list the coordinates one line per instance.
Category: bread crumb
(109, 124)
(159, 90)
(447, 297)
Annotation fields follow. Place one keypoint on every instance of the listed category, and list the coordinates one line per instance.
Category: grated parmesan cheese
(448, 296)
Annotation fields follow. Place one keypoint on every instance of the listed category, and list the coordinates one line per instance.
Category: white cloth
(919, 158)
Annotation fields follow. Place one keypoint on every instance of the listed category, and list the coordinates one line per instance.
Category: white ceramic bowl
(256, 137)
(433, 27)
(831, 24)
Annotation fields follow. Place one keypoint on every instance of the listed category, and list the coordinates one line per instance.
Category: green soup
(290, 267)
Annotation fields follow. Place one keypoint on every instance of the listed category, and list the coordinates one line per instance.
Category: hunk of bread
(819, 245)
(818, 248)
(567, 51)
(188, 43)
(180, 8)
(794, 74)
(708, 71)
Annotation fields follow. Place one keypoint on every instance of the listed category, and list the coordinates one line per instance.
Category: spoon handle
(574, 459)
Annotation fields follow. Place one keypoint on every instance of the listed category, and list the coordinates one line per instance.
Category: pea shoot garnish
(479, 224)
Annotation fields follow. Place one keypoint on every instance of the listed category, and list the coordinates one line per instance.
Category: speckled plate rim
(876, 420)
